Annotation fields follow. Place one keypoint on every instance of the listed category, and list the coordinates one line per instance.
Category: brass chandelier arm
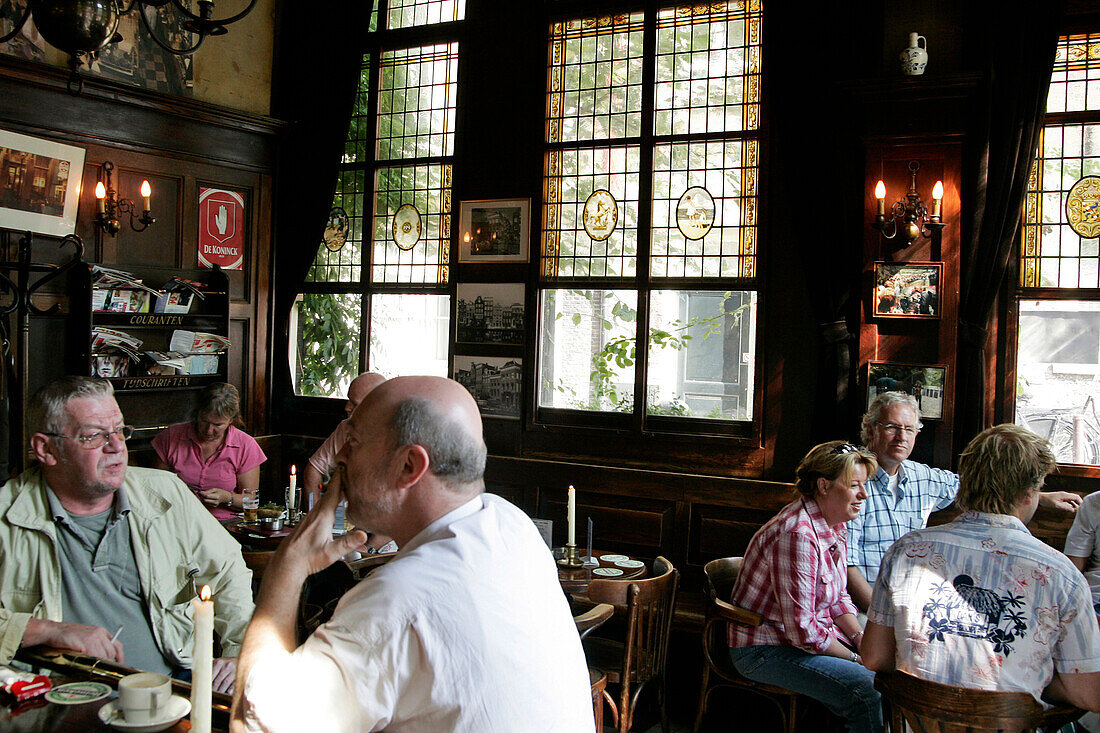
(18, 26)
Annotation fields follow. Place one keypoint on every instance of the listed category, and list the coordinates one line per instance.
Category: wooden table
(256, 538)
(41, 716)
(576, 580)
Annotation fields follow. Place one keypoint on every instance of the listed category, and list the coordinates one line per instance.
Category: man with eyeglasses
(89, 545)
(903, 493)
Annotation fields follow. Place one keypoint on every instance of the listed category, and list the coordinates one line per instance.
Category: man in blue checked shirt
(902, 495)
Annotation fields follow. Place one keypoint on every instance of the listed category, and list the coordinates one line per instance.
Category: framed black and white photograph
(489, 313)
(923, 381)
(907, 290)
(494, 230)
(496, 383)
(39, 184)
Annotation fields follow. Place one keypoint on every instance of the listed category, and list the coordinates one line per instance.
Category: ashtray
(270, 524)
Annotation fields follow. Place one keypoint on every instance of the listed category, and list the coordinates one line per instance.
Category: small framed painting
(490, 313)
(924, 382)
(494, 230)
(39, 184)
(496, 383)
(907, 289)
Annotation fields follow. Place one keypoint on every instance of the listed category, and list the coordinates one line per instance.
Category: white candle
(292, 493)
(202, 661)
(571, 515)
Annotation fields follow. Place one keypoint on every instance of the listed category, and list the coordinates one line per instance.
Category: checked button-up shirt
(883, 519)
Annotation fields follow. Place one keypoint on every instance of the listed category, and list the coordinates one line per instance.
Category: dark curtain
(318, 57)
(1016, 81)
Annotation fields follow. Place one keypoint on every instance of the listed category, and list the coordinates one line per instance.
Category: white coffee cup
(143, 697)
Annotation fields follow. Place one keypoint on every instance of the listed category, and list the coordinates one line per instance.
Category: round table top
(612, 566)
(249, 533)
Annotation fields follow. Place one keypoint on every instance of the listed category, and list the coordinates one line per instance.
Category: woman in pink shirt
(218, 460)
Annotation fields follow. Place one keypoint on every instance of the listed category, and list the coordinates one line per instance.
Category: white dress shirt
(466, 629)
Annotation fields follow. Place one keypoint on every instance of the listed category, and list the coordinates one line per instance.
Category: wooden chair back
(649, 604)
(930, 706)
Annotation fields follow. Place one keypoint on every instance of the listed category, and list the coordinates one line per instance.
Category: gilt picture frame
(494, 230)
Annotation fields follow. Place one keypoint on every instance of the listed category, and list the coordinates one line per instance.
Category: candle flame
(293, 469)
(100, 191)
(880, 190)
(204, 594)
(571, 486)
(937, 190)
(466, 237)
(146, 189)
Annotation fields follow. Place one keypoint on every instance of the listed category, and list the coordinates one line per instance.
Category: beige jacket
(171, 532)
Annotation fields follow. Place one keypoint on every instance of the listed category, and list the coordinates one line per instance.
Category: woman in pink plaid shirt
(795, 576)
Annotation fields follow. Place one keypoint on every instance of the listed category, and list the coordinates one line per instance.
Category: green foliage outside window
(328, 343)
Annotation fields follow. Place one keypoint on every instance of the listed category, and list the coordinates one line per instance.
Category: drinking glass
(250, 502)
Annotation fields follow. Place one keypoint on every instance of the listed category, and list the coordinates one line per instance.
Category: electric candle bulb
(880, 194)
(146, 195)
(100, 195)
(937, 198)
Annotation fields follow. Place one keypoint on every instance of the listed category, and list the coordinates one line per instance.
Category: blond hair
(831, 461)
(999, 466)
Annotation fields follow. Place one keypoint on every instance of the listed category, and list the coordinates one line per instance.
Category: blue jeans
(845, 688)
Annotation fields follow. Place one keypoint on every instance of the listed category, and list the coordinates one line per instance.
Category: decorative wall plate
(406, 227)
(601, 215)
(1083, 207)
(695, 212)
(337, 229)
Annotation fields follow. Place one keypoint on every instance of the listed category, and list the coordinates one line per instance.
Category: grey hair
(46, 412)
(454, 455)
(880, 404)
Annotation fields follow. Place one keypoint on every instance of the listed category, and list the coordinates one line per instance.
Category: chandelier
(81, 28)
(909, 218)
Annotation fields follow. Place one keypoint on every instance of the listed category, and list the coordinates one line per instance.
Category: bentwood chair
(929, 706)
(587, 622)
(718, 670)
(640, 658)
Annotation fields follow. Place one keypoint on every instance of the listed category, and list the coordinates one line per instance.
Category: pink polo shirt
(178, 446)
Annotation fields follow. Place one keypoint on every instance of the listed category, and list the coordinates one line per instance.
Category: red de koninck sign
(221, 228)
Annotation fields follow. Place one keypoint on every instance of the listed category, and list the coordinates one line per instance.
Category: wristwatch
(855, 657)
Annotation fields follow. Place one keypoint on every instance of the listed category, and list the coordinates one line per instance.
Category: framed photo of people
(39, 184)
(494, 230)
(907, 289)
(925, 382)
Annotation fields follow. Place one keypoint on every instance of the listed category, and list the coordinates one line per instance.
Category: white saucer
(175, 710)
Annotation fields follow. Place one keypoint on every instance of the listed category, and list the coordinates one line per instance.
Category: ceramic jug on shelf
(915, 57)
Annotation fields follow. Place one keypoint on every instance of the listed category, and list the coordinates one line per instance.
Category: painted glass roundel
(337, 229)
(1083, 207)
(406, 227)
(695, 213)
(601, 215)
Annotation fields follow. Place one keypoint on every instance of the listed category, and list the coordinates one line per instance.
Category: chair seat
(605, 655)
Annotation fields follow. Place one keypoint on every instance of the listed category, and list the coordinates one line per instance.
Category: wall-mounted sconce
(109, 206)
(908, 216)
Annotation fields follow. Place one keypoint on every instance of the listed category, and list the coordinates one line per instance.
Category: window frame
(638, 421)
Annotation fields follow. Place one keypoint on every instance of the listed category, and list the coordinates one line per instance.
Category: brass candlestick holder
(569, 557)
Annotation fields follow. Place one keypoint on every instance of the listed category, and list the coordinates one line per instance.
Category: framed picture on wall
(39, 184)
(907, 289)
(494, 230)
(496, 383)
(924, 382)
(490, 313)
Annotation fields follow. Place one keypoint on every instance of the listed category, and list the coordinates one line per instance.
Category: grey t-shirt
(100, 585)
(1083, 540)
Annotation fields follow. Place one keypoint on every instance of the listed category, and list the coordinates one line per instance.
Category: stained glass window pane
(428, 189)
(726, 172)
(355, 146)
(708, 68)
(1075, 81)
(586, 345)
(416, 102)
(573, 176)
(595, 78)
(345, 264)
(410, 13)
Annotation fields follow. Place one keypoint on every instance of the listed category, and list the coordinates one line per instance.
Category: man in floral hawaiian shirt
(979, 602)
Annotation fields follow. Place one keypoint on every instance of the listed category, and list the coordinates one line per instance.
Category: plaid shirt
(882, 520)
(795, 577)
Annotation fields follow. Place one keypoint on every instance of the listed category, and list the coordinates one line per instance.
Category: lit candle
(202, 661)
(100, 195)
(146, 194)
(571, 515)
(292, 492)
(937, 198)
(880, 194)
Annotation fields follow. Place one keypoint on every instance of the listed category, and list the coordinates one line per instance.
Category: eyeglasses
(843, 448)
(98, 440)
(895, 428)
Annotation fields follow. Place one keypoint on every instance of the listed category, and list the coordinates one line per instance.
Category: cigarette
(115, 637)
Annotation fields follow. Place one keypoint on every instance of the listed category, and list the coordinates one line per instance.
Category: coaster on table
(630, 564)
(613, 558)
(77, 693)
(607, 572)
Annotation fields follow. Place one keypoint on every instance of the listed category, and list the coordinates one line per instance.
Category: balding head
(359, 388)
